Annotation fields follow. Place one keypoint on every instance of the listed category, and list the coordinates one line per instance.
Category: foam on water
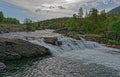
(84, 51)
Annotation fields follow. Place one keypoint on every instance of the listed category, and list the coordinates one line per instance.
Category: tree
(103, 15)
(74, 16)
(1, 16)
(11, 20)
(72, 25)
(80, 13)
(29, 24)
(27, 21)
(94, 14)
(116, 30)
(8, 19)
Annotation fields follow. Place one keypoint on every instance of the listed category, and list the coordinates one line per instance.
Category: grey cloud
(37, 10)
(55, 8)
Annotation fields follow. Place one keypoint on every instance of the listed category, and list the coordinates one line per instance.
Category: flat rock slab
(60, 67)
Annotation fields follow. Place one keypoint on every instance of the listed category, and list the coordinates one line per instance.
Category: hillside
(114, 11)
(6, 28)
(9, 24)
(107, 26)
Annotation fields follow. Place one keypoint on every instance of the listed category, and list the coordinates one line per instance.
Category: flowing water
(85, 51)
(79, 51)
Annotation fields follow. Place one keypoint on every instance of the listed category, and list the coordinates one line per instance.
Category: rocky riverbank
(7, 28)
(11, 49)
(88, 37)
(16, 45)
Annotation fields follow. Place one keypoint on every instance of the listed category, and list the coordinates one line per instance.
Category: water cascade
(83, 51)
(93, 55)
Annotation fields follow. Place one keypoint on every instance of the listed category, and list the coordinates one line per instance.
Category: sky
(38, 10)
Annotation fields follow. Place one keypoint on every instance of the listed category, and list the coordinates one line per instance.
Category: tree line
(8, 20)
(94, 22)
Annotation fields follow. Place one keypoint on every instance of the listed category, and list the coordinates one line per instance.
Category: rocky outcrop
(15, 49)
(4, 31)
(51, 40)
(89, 37)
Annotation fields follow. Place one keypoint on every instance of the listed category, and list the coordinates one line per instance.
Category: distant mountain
(114, 11)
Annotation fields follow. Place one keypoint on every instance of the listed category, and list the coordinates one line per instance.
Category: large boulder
(17, 48)
(51, 40)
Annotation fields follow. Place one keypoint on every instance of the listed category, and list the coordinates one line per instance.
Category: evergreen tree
(1, 16)
(94, 14)
(103, 15)
(29, 24)
(74, 16)
(27, 21)
(11, 20)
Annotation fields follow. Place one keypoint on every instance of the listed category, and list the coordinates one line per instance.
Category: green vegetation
(29, 25)
(108, 26)
(8, 20)
(95, 22)
(10, 24)
(1, 16)
(11, 28)
(116, 29)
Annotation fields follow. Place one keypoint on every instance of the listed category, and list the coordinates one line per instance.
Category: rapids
(84, 51)
(79, 51)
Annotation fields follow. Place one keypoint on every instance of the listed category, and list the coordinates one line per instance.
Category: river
(80, 52)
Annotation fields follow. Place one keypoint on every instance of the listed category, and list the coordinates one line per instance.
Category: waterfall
(68, 45)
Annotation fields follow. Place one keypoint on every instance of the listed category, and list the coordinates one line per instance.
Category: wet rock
(4, 31)
(12, 56)
(62, 31)
(15, 49)
(59, 43)
(51, 40)
(2, 66)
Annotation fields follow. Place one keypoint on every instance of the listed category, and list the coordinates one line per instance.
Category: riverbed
(83, 58)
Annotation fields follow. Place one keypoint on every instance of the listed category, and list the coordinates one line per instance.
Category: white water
(29, 35)
(84, 51)
(77, 50)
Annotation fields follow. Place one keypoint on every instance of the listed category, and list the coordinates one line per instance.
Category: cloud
(55, 8)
